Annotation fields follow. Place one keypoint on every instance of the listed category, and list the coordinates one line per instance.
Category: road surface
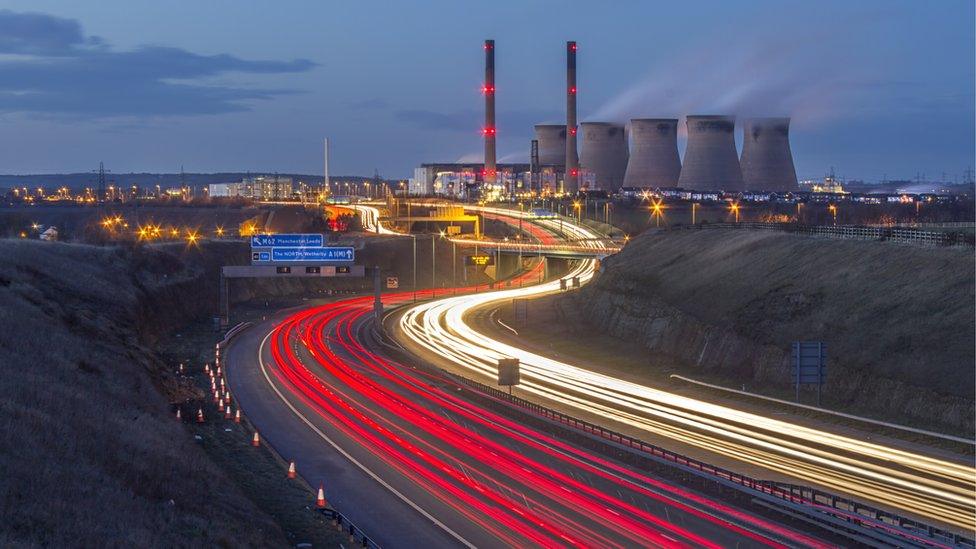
(413, 464)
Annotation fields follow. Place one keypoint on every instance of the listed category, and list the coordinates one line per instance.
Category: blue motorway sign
(328, 253)
(307, 240)
(809, 362)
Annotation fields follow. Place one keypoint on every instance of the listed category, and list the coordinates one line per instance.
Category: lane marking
(348, 456)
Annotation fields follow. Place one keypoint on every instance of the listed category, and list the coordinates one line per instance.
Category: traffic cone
(206, 368)
(291, 469)
(220, 405)
(218, 371)
(181, 367)
(320, 498)
(178, 414)
(237, 416)
(199, 415)
(256, 441)
(227, 396)
(227, 412)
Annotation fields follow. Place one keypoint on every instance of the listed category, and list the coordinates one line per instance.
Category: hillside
(727, 305)
(90, 454)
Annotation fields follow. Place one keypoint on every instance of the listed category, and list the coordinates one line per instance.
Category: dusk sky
(875, 88)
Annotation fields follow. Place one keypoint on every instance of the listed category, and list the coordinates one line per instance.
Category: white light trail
(925, 486)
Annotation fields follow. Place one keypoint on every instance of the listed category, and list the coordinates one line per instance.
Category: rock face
(898, 320)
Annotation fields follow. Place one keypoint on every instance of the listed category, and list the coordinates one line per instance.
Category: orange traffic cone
(220, 405)
(320, 498)
(227, 412)
(178, 414)
(291, 469)
(256, 441)
(227, 396)
(237, 416)
(199, 415)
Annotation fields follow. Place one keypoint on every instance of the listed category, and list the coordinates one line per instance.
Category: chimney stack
(489, 130)
(571, 179)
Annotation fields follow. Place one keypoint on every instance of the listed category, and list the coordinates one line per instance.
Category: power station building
(603, 156)
(711, 162)
(767, 161)
(465, 180)
(605, 161)
(654, 160)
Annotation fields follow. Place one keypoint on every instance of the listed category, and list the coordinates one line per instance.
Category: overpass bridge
(577, 249)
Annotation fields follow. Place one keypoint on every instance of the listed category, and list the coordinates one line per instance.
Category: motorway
(440, 331)
(413, 462)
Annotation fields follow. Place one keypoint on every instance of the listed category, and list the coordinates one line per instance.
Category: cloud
(52, 68)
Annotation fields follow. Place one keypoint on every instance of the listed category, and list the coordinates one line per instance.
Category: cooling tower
(710, 162)
(604, 154)
(571, 179)
(767, 162)
(489, 131)
(552, 144)
(654, 160)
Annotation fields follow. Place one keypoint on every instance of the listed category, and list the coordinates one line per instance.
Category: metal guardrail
(847, 509)
(893, 234)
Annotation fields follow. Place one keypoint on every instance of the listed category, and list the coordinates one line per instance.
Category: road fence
(891, 234)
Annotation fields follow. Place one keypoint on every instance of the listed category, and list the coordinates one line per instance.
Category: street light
(576, 206)
(694, 205)
(657, 211)
(414, 238)
(453, 262)
(833, 212)
(734, 208)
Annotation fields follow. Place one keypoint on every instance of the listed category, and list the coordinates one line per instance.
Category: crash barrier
(340, 521)
(815, 502)
(891, 234)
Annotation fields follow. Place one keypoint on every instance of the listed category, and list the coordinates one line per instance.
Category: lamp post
(694, 206)
(833, 212)
(414, 238)
(433, 269)
(735, 210)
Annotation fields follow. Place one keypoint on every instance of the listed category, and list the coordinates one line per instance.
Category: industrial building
(711, 162)
(271, 188)
(603, 156)
(767, 162)
(462, 180)
(654, 160)
(605, 161)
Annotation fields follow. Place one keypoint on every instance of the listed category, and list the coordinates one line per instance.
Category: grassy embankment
(726, 306)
